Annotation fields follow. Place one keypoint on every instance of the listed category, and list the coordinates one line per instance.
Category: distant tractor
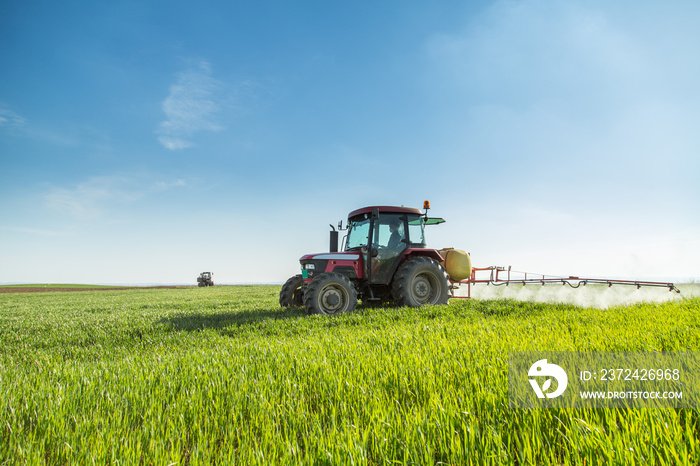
(384, 260)
(205, 279)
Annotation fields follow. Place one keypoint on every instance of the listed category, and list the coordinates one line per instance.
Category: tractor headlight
(310, 267)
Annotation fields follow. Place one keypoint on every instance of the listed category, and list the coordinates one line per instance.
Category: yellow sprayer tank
(457, 263)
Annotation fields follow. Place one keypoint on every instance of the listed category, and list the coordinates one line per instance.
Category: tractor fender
(414, 252)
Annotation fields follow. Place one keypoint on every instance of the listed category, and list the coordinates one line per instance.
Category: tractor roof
(386, 209)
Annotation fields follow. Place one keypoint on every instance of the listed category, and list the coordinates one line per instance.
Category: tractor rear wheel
(330, 294)
(420, 280)
(292, 293)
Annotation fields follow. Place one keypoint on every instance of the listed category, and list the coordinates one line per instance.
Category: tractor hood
(346, 263)
(342, 256)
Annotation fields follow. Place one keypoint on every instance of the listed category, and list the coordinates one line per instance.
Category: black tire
(330, 294)
(419, 281)
(292, 293)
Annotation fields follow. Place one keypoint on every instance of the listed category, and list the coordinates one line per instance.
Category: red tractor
(384, 260)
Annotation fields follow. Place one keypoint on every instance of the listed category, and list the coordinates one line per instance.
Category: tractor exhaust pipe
(334, 240)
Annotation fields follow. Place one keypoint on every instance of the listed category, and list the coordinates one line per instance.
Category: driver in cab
(395, 238)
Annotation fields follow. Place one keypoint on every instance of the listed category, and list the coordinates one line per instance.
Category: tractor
(205, 279)
(384, 260)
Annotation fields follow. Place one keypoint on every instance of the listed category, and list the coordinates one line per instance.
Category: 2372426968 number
(640, 374)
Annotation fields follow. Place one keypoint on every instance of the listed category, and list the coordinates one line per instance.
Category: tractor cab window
(358, 234)
(390, 232)
(416, 231)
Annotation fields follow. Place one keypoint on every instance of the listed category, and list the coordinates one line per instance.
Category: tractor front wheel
(330, 294)
(420, 280)
(292, 293)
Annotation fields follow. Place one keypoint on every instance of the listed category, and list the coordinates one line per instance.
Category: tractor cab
(392, 231)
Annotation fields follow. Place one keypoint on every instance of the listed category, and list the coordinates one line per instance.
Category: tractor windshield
(358, 234)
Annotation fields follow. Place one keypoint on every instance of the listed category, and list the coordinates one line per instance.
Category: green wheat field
(222, 375)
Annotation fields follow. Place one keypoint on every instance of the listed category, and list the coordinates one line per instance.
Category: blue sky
(145, 142)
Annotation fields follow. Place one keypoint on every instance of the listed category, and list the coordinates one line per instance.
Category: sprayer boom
(499, 276)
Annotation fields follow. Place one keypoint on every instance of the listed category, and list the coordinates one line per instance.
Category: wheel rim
(333, 299)
(424, 288)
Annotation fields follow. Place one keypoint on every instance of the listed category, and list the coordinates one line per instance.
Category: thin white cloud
(525, 52)
(190, 107)
(55, 133)
(571, 81)
(164, 185)
(36, 231)
(10, 119)
(86, 198)
(92, 198)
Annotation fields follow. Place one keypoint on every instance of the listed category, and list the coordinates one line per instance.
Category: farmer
(395, 238)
